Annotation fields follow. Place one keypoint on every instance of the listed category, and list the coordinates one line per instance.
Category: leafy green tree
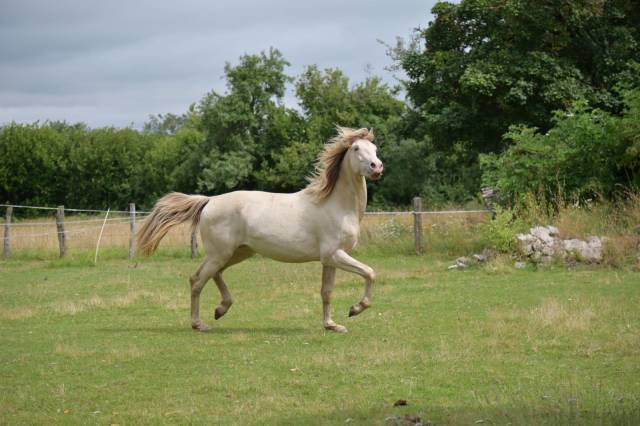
(588, 153)
(56, 163)
(165, 124)
(483, 65)
(244, 126)
(27, 166)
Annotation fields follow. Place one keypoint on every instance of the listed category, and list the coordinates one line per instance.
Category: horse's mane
(327, 168)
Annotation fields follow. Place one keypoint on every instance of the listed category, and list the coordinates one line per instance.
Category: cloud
(116, 62)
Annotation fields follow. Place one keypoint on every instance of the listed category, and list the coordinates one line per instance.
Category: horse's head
(363, 159)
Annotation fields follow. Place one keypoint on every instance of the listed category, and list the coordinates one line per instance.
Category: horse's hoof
(358, 308)
(200, 326)
(336, 327)
(219, 313)
(355, 309)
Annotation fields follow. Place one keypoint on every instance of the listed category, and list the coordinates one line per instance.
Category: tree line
(524, 96)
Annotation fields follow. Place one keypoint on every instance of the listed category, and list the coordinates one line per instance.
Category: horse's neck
(350, 192)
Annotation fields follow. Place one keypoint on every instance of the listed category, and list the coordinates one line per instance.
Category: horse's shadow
(280, 331)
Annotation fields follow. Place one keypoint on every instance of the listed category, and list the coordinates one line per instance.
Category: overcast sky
(112, 63)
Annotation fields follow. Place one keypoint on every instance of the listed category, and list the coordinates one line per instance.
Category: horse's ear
(372, 136)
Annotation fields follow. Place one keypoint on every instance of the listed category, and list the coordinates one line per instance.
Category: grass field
(112, 344)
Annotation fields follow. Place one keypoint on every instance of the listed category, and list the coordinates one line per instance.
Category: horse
(318, 223)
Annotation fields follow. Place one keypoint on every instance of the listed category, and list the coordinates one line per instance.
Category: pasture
(112, 344)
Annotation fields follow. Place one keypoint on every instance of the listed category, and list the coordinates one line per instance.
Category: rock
(587, 251)
(526, 243)
(541, 233)
(480, 258)
(574, 245)
(553, 231)
(545, 260)
(547, 250)
(542, 244)
(526, 238)
(520, 265)
(462, 262)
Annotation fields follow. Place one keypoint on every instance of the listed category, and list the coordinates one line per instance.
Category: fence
(121, 228)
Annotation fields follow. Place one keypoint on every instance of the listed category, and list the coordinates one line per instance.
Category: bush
(587, 154)
(500, 233)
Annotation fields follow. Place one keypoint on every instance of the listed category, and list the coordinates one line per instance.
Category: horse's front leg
(340, 259)
(328, 279)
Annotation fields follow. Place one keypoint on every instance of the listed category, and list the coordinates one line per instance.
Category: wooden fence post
(62, 241)
(194, 244)
(417, 223)
(6, 247)
(132, 226)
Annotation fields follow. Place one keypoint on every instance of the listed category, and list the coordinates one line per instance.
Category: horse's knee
(370, 275)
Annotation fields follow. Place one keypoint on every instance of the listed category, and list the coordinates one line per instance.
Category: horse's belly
(285, 251)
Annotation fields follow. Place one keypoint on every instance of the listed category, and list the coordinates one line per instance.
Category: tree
(243, 127)
(588, 153)
(484, 65)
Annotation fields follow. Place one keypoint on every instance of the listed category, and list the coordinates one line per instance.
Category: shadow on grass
(280, 331)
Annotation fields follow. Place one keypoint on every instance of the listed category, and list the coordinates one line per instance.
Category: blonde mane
(327, 168)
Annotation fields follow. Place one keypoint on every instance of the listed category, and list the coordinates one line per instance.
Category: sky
(113, 63)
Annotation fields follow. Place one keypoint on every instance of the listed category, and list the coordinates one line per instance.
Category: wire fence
(99, 229)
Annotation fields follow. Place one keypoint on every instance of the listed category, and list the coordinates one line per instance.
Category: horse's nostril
(373, 165)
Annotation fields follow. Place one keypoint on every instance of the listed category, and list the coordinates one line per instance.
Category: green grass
(112, 343)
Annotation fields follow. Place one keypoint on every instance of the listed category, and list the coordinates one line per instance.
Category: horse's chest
(348, 236)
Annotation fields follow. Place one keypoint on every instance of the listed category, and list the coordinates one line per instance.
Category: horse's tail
(172, 209)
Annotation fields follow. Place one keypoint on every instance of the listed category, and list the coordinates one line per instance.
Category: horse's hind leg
(208, 269)
(227, 299)
(239, 255)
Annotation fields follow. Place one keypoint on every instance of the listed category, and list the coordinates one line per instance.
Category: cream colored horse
(319, 223)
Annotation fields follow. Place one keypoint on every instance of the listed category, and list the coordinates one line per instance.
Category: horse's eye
(356, 148)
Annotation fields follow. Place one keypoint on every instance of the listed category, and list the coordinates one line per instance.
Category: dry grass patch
(134, 296)
(110, 355)
(566, 316)
(69, 307)
(73, 307)
(19, 313)
(622, 249)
